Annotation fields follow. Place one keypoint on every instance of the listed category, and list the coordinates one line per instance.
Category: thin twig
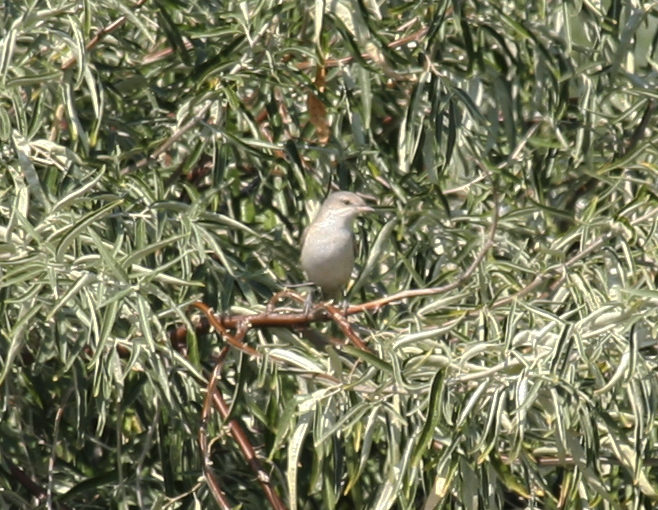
(53, 453)
(406, 294)
(322, 314)
(341, 320)
(286, 293)
(100, 34)
(569, 263)
(169, 141)
(416, 36)
(244, 325)
(247, 449)
(28, 483)
(211, 480)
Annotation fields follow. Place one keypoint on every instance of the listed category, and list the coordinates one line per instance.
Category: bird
(327, 255)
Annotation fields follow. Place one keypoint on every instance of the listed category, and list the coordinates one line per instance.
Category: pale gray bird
(328, 243)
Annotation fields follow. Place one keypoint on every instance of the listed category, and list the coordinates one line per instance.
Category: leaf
(433, 417)
(318, 117)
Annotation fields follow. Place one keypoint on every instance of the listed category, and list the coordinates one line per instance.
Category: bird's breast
(328, 256)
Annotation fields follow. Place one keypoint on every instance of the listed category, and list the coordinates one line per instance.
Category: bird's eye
(346, 201)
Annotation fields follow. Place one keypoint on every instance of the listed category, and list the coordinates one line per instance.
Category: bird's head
(343, 206)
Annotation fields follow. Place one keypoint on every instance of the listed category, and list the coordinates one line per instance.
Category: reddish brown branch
(169, 141)
(321, 314)
(100, 34)
(211, 480)
(28, 483)
(275, 319)
(341, 320)
(569, 263)
(236, 341)
(247, 449)
(219, 327)
(366, 56)
(214, 396)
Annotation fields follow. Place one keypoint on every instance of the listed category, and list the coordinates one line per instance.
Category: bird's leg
(308, 303)
(344, 306)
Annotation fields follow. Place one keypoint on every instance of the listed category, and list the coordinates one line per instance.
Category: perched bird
(328, 243)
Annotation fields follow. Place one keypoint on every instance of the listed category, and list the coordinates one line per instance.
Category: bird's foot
(344, 306)
(308, 303)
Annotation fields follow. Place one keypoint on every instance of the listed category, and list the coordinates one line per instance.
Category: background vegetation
(162, 152)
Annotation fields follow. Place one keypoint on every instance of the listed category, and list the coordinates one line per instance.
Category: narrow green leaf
(433, 417)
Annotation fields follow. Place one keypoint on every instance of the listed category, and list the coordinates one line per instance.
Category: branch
(28, 483)
(569, 263)
(406, 294)
(169, 141)
(322, 312)
(236, 341)
(211, 480)
(100, 34)
(247, 449)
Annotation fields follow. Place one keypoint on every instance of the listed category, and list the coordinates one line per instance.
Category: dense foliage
(163, 152)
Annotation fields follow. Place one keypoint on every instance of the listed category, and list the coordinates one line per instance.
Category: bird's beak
(365, 209)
